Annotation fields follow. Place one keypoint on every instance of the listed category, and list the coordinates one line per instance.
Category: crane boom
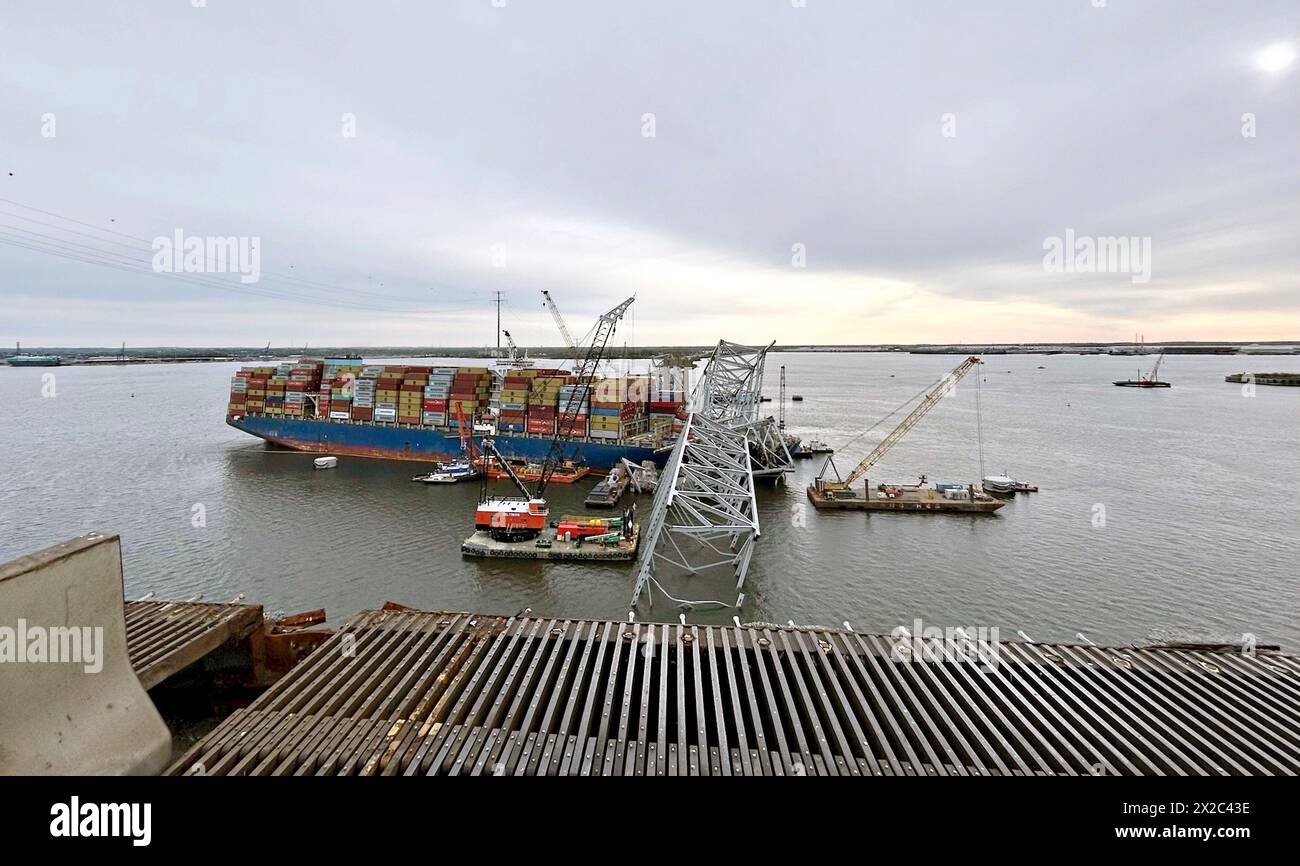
(583, 373)
(510, 341)
(559, 323)
(927, 403)
(489, 452)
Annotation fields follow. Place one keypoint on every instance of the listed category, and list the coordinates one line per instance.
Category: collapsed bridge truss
(705, 515)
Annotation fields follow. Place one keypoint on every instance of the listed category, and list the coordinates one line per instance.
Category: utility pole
(498, 302)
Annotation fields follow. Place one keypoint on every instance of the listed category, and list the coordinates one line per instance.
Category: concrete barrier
(70, 702)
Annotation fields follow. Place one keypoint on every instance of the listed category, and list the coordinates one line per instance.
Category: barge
(1291, 379)
(609, 490)
(548, 546)
(906, 498)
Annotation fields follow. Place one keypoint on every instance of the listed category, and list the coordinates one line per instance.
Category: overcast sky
(844, 172)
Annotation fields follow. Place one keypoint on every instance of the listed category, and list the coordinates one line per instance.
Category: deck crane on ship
(519, 518)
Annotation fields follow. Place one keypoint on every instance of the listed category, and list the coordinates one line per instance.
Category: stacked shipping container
(532, 401)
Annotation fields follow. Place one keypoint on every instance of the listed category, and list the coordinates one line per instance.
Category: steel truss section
(705, 501)
(731, 392)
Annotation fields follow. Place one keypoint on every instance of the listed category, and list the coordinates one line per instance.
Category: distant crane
(825, 488)
(510, 341)
(559, 323)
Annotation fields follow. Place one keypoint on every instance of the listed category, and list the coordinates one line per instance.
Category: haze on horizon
(834, 173)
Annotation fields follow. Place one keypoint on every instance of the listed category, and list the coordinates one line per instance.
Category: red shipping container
(362, 414)
(435, 405)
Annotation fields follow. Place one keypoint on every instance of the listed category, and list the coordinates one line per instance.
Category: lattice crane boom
(927, 403)
(559, 323)
(584, 371)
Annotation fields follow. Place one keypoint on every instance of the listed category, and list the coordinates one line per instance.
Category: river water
(1162, 514)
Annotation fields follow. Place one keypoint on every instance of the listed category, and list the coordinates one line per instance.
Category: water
(1199, 487)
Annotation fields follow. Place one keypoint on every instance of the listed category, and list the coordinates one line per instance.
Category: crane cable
(979, 420)
(909, 401)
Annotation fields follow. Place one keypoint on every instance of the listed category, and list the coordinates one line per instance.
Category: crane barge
(504, 526)
(839, 493)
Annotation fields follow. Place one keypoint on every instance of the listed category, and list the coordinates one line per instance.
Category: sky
(805, 172)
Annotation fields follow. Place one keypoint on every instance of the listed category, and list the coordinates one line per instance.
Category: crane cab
(511, 518)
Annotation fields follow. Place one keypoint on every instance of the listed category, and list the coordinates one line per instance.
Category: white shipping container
(340, 416)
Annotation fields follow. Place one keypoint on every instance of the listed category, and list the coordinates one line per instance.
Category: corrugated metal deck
(401, 692)
(165, 637)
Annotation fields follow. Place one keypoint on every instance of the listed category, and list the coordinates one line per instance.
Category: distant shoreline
(103, 356)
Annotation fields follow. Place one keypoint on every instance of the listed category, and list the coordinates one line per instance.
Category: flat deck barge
(400, 692)
(906, 500)
(1292, 379)
(554, 549)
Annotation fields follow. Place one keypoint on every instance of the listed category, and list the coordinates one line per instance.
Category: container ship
(410, 412)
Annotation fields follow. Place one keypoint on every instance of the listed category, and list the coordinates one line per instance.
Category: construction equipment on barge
(1150, 380)
(503, 525)
(610, 489)
(839, 493)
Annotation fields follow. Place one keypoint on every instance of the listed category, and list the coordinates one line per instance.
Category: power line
(293, 280)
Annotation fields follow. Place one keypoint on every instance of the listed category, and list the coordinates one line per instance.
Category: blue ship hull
(423, 443)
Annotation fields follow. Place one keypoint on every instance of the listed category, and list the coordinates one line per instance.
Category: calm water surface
(1199, 487)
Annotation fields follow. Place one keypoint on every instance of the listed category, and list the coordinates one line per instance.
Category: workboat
(609, 489)
(1003, 484)
(449, 473)
(325, 462)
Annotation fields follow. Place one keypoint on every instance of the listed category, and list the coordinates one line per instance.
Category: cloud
(519, 129)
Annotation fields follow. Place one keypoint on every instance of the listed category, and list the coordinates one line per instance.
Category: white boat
(449, 473)
(999, 484)
(326, 462)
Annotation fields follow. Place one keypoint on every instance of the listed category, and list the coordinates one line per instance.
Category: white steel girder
(706, 494)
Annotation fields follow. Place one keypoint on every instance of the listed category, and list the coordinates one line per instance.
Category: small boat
(812, 447)
(325, 462)
(449, 473)
(796, 398)
(1003, 484)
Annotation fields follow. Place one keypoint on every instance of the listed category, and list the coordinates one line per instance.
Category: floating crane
(1152, 380)
(559, 323)
(825, 493)
(518, 518)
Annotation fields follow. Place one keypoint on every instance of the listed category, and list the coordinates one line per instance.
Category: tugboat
(1151, 380)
